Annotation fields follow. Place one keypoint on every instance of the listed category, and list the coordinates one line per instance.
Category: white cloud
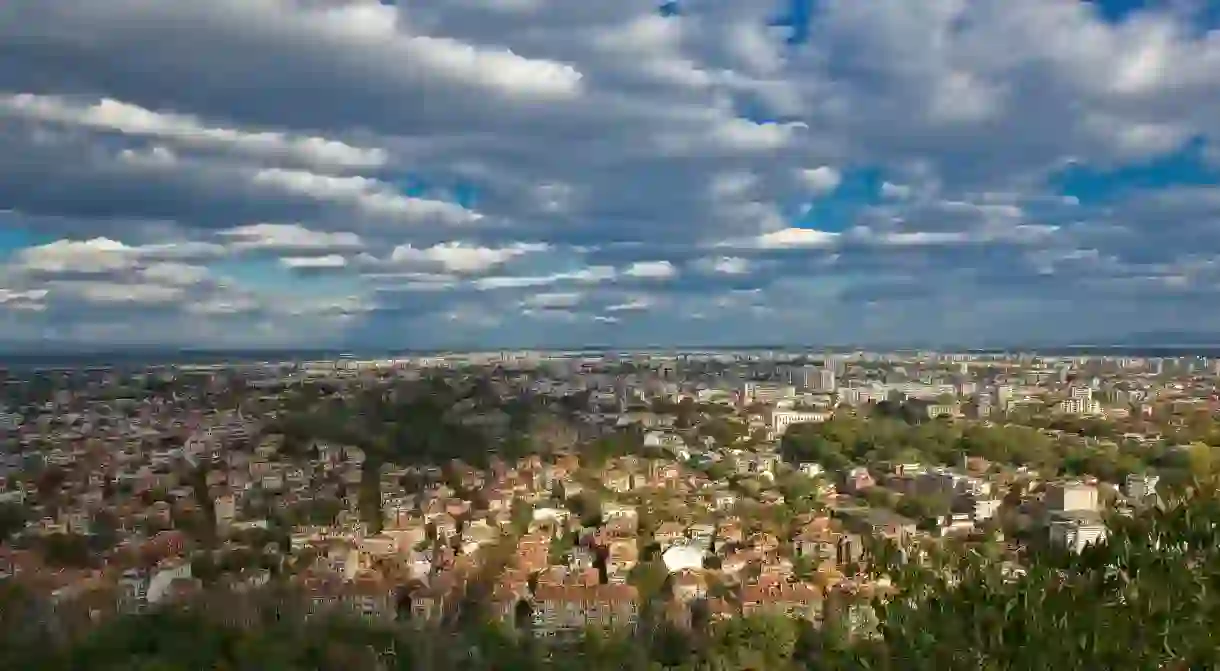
(86, 256)
(314, 262)
(651, 270)
(290, 238)
(115, 293)
(458, 257)
(23, 301)
(895, 191)
(794, 237)
(369, 195)
(153, 158)
(589, 275)
(553, 300)
(113, 115)
(608, 132)
(173, 273)
(725, 265)
(639, 304)
(822, 180)
(104, 255)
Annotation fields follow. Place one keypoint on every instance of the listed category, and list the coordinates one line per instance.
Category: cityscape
(557, 492)
(609, 335)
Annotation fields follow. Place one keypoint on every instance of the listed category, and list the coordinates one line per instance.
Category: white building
(782, 419)
(683, 557)
(1071, 497)
(1075, 532)
(1139, 486)
(756, 392)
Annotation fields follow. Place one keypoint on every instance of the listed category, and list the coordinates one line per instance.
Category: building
(782, 419)
(225, 508)
(1074, 496)
(818, 380)
(1075, 531)
(1140, 486)
(757, 392)
(562, 610)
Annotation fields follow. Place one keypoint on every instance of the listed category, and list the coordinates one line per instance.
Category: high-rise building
(828, 380)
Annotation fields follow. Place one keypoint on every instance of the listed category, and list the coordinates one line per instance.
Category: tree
(13, 518)
(1142, 600)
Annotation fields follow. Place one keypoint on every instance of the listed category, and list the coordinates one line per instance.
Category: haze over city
(292, 173)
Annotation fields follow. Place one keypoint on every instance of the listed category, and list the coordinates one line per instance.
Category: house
(701, 535)
(817, 543)
(809, 469)
(728, 533)
(689, 584)
(612, 510)
(621, 557)
(669, 533)
(858, 480)
(791, 599)
(617, 481)
(561, 611)
(723, 499)
(877, 522)
(682, 558)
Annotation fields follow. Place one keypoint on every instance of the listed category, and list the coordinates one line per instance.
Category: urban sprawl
(554, 492)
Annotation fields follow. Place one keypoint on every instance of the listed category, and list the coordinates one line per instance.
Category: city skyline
(538, 173)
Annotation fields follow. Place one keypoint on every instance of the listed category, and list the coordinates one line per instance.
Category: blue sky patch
(1182, 168)
(837, 211)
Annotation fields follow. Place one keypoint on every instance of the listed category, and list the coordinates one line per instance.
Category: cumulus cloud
(289, 238)
(821, 180)
(651, 270)
(113, 115)
(370, 196)
(350, 168)
(457, 257)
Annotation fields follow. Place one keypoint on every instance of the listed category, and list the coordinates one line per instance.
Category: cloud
(634, 305)
(103, 255)
(895, 191)
(330, 261)
(794, 238)
(113, 115)
(290, 238)
(822, 180)
(341, 170)
(370, 196)
(457, 257)
(651, 270)
(553, 300)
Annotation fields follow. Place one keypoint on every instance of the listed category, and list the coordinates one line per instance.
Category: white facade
(782, 419)
(1071, 497)
(1076, 534)
(1140, 486)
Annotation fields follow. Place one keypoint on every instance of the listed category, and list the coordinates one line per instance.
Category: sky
(516, 173)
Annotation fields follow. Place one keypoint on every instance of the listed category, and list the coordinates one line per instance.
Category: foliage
(1143, 600)
(844, 441)
(13, 518)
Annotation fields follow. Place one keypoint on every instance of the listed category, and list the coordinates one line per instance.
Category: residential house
(569, 610)
(791, 599)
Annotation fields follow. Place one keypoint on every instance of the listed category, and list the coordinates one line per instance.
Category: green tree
(13, 518)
